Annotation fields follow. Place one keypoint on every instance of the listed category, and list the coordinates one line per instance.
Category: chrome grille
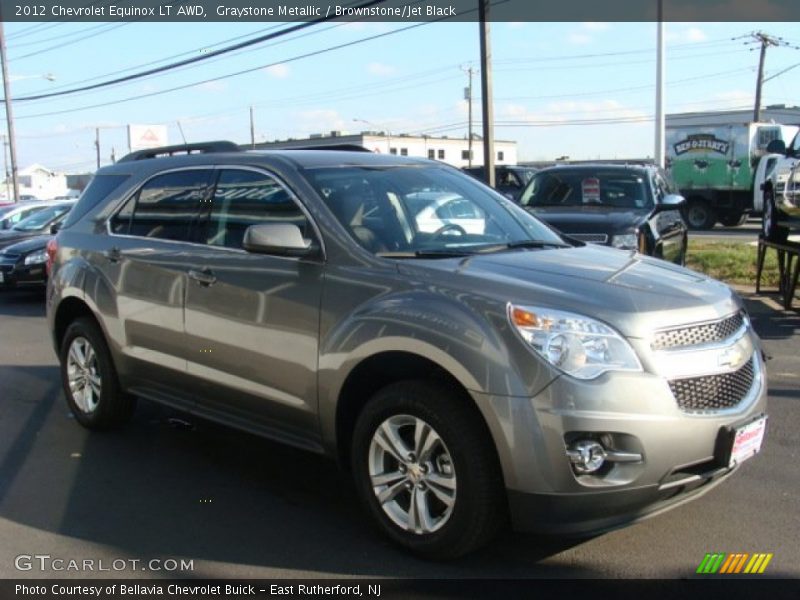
(592, 238)
(695, 335)
(713, 392)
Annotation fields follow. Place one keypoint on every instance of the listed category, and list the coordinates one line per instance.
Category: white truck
(778, 182)
(715, 159)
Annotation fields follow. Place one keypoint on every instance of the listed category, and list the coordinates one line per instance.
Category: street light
(384, 131)
(12, 145)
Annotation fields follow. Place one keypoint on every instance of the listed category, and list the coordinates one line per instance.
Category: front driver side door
(252, 320)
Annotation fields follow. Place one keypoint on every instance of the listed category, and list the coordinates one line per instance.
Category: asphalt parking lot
(171, 487)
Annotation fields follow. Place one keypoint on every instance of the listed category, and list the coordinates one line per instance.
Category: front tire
(90, 380)
(425, 467)
(769, 219)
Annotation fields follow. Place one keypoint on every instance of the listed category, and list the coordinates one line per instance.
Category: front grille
(713, 392)
(592, 238)
(9, 259)
(695, 335)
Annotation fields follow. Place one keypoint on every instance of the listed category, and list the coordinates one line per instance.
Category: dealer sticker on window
(747, 441)
(590, 189)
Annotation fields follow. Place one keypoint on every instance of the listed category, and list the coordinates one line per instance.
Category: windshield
(612, 188)
(413, 211)
(42, 218)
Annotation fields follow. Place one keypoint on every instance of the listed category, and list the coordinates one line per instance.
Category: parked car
(23, 263)
(630, 207)
(36, 224)
(11, 214)
(461, 376)
(509, 179)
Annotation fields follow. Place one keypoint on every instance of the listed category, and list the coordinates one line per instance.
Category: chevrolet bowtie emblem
(732, 357)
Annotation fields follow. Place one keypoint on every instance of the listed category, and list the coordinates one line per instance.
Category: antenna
(181, 130)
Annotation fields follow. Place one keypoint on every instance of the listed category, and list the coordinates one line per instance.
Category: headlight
(36, 258)
(580, 346)
(628, 241)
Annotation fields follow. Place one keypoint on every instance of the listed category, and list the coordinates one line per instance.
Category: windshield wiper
(521, 244)
(439, 253)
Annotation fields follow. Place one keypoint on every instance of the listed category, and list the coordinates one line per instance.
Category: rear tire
(699, 215)
(90, 379)
(426, 469)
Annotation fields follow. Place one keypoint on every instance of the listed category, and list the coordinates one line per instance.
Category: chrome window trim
(215, 169)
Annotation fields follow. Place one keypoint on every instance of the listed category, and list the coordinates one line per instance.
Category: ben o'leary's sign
(701, 142)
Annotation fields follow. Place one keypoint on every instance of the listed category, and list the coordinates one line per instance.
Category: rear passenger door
(146, 258)
(252, 320)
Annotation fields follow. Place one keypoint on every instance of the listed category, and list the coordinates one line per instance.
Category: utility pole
(97, 144)
(468, 97)
(252, 130)
(660, 124)
(12, 146)
(765, 41)
(486, 91)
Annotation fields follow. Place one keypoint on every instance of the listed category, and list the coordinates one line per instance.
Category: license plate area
(743, 441)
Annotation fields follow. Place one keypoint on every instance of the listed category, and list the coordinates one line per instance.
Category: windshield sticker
(590, 188)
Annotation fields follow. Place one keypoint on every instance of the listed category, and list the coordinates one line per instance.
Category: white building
(38, 181)
(453, 151)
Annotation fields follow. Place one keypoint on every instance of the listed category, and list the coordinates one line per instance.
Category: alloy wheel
(83, 375)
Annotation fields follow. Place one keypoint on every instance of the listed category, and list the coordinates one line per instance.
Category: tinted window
(165, 206)
(98, 189)
(245, 198)
(613, 188)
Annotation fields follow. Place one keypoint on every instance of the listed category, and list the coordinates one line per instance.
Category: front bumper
(19, 274)
(683, 454)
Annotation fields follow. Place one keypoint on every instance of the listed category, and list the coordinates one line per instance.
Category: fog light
(586, 456)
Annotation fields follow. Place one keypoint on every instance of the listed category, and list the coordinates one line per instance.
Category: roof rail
(336, 147)
(200, 148)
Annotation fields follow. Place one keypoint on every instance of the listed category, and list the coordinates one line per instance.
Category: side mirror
(671, 201)
(284, 239)
(55, 228)
(776, 147)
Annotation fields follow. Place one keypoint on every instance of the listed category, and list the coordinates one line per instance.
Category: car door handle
(203, 277)
(113, 254)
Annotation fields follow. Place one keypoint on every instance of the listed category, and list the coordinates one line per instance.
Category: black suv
(631, 207)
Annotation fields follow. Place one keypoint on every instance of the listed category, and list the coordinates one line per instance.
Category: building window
(501, 155)
(403, 151)
(392, 150)
(465, 155)
(441, 154)
(431, 153)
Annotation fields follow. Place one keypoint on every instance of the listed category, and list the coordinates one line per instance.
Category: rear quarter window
(98, 190)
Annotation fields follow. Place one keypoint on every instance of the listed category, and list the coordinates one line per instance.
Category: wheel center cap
(414, 472)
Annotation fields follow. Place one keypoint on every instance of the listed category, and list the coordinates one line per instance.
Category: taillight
(52, 248)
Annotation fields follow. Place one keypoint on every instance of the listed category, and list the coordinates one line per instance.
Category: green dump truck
(714, 164)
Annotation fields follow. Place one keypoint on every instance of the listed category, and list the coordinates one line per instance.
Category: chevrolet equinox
(465, 362)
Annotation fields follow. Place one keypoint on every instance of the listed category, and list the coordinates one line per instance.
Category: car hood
(592, 219)
(632, 292)
(13, 236)
(31, 244)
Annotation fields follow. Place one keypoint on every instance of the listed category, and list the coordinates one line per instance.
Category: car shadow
(172, 485)
(23, 302)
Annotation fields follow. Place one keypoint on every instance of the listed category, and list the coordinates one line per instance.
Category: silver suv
(479, 369)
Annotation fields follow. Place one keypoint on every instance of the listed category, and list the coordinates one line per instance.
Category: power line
(195, 59)
(234, 74)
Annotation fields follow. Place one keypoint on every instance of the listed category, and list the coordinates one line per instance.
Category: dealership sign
(141, 137)
(702, 142)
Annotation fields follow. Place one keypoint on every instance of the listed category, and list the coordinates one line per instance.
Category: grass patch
(732, 263)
